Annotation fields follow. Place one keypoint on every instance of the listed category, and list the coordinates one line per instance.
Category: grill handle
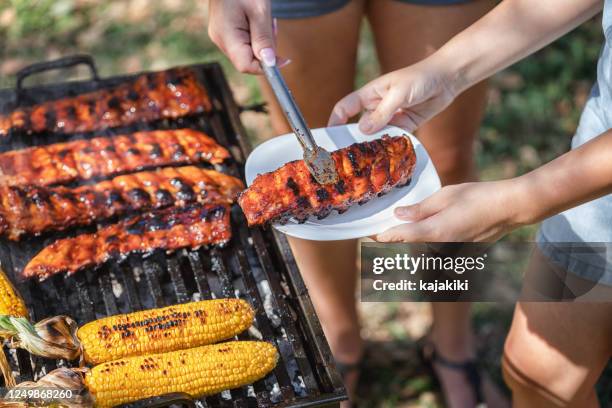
(60, 63)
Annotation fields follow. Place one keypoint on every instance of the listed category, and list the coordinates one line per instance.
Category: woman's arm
(510, 32)
(410, 96)
(486, 211)
(578, 176)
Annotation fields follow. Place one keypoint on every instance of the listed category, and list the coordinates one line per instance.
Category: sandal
(344, 369)
(429, 355)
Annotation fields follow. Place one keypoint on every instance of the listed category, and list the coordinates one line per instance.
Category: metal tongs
(318, 160)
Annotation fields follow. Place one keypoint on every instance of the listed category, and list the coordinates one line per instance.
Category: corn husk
(54, 337)
(6, 370)
(59, 379)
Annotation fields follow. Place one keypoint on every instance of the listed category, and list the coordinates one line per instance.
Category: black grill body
(256, 265)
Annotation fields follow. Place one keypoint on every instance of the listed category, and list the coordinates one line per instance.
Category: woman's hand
(410, 96)
(486, 211)
(405, 98)
(471, 212)
(243, 30)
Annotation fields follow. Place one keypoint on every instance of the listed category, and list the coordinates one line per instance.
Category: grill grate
(256, 265)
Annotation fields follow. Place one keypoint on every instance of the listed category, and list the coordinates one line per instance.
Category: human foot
(461, 381)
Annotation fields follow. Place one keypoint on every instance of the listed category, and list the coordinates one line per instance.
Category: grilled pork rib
(33, 210)
(158, 95)
(169, 229)
(365, 170)
(103, 157)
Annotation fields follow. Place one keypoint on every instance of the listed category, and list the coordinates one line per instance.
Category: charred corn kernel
(11, 303)
(167, 329)
(199, 371)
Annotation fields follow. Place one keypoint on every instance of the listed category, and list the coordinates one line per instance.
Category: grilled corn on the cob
(11, 303)
(11, 306)
(198, 372)
(166, 329)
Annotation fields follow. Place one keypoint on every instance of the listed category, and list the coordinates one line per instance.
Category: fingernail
(268, 57)
(367, 125)
(284, 63)
(403, 212)
(333, 120)
(275, 26)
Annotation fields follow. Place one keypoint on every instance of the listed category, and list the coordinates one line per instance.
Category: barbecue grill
(256, 265)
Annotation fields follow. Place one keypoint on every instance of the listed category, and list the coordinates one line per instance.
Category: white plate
(360, 220)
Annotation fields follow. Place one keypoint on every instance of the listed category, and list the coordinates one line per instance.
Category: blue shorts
(314, 8)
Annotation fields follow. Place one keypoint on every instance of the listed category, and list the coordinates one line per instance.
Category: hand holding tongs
(318, 160)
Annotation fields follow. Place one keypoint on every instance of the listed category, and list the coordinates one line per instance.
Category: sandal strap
(468, 367)
(430, 354)
(346, 368)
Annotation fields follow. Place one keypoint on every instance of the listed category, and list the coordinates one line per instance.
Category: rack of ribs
(170, 229)
(107, 156)
(152, 96)
(33, 209)
(365, 170)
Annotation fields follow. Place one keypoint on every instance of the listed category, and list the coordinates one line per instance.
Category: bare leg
(333, 291)
(572, 342)
(405, 34)
(323, 51)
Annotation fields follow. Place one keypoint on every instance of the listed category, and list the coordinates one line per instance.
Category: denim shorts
(314, 8)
